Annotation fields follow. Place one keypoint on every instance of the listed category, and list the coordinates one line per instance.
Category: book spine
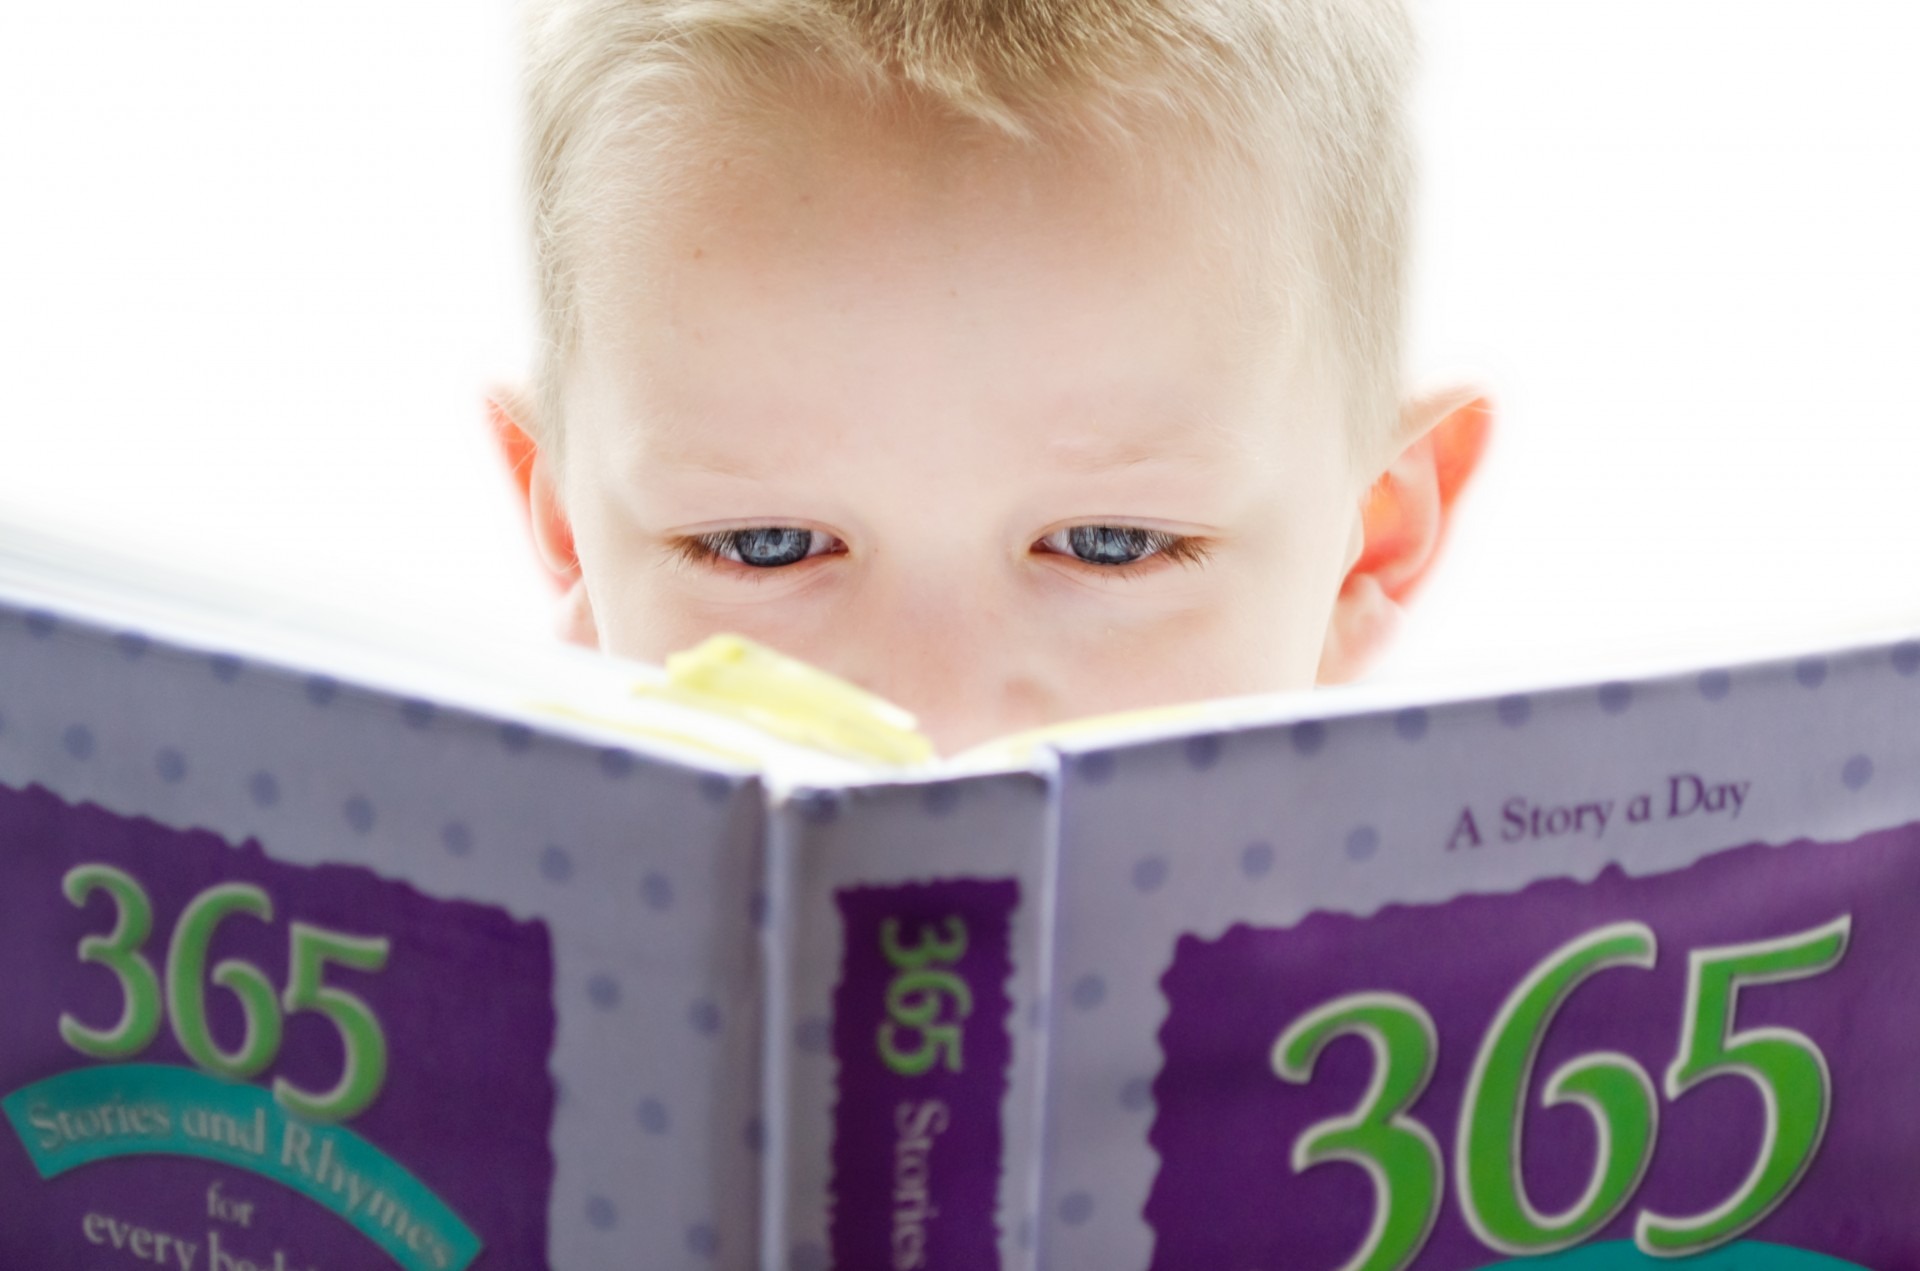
(908, 946)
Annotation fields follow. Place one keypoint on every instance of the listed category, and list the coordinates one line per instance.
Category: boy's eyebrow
(1090, 455)
(709, 462)
(1162, 427)
(1097, 454)
(1171, 438)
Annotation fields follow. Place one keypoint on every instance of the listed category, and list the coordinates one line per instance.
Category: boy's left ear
(1404, 522)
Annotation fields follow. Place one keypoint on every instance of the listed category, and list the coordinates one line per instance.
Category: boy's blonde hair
(1307, 93)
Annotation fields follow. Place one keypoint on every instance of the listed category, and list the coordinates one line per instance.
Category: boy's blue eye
(767, 546)
(1108, 544)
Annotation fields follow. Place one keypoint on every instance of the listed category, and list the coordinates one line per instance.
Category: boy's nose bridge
(944, 618)
(947, 591)
(949, 649)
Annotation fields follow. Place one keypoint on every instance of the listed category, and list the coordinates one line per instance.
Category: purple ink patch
(920, 1035)
(461, 1120)
(1227, 1193)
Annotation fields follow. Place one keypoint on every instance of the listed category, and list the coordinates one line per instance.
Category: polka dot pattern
(1410, 724)
(1087, 992)
(702, 1240)
(1309, 738)
(1096, 769)
(1362, 842)
(78, 742)
(225, 667)
(1616, 696)
(813, 1036)
(704, 1015)
(603, 991)
(601, 1214)
(1810, 672)
(1136, 1095)
(1256, 859)
(1514, 710)
(457, 838)
(515, 738)
(170, 766)
(358, 812)
(1076, 1208)
(321, 689)
(656, 892)
(556, 863)
(264, 789)
(817, 807)
(1714, 685)
(1906, 658)
(1203, 752)
(616, 764)
(652, 1116)
(1149, 873)
(1857, 772)
(417, 714)
(940, 800)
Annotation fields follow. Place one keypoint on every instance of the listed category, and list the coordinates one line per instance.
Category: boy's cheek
(1235, 645)
(650, 622)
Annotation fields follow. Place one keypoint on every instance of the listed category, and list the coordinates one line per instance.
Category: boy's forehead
(815, 261)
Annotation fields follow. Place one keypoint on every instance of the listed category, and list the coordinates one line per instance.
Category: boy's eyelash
(1175, 549)
(710, 550)
(706, 550)
(695, 550)
(1181, 549)
(1168, 548)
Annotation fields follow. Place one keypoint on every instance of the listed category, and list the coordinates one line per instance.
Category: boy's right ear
(510, 420)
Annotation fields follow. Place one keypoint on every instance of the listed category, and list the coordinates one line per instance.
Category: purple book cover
(218, 1061)
(1717, 1060)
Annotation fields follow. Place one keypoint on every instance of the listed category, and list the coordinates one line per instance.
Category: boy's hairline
(654, 106)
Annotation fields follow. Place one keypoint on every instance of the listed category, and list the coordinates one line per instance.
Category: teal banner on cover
(114, 1110)
(1623, 1255)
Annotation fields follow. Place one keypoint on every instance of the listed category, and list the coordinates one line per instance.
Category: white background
(258, 263)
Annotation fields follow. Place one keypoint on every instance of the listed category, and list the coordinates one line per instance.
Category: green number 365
(918, 996)
(1405, 1164)
(144, 1005)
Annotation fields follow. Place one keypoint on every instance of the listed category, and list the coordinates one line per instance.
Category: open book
(325, 950)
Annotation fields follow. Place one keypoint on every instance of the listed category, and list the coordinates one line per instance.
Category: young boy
(1015, 359)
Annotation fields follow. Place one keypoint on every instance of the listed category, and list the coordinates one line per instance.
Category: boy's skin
(931, 356)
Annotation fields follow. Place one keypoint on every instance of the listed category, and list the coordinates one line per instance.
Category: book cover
(301, 973)
(317, 958)
(1605, 975)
